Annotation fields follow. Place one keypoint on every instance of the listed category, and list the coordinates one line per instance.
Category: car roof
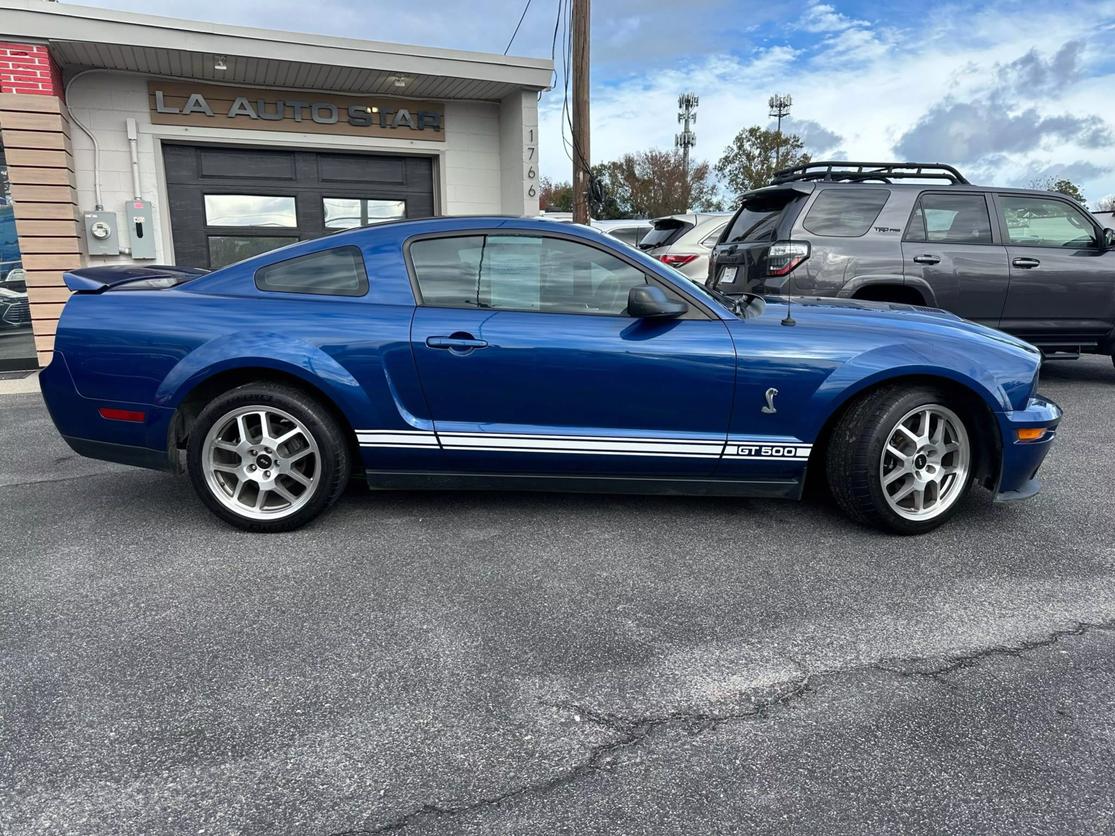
(807, 187)
(692, 217)
(621, 222)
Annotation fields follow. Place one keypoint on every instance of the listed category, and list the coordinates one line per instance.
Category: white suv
(685, 241)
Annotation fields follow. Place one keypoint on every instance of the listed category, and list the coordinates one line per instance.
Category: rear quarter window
(336, 272)
(845, 213)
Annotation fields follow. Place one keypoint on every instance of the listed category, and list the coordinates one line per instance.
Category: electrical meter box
(101, 237)
(141, 228)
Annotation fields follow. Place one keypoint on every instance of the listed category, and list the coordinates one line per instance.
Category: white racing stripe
(750, 449)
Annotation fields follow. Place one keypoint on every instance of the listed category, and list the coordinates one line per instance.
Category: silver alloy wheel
(925, 462)
(261, 462)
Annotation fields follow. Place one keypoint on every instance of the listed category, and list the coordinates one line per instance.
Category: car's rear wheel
(901, 459)
(267, 457)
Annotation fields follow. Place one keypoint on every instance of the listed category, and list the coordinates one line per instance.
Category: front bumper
(1022, 459)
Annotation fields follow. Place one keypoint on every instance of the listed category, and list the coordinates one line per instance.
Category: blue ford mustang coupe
(464, 353)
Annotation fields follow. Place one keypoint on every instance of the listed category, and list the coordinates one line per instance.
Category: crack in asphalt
(629, 731)
(938, 667)
(632, 731)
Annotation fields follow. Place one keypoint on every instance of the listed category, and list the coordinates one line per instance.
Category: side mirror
(649, 301)
(1109, 239)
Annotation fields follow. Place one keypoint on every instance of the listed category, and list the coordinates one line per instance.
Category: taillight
(784, 257)
(676, 260)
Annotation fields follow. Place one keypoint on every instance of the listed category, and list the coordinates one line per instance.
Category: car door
(950, 246)
(1062, 279)
(530, 363)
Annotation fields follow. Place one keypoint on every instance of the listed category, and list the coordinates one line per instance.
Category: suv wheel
(267, 457)
(901, 459)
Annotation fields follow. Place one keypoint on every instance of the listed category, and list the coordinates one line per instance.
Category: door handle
(1026, 263)
(927, 259)
(456, 342)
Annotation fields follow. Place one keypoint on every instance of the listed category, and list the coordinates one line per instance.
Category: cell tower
(780, 105)
(687, 115)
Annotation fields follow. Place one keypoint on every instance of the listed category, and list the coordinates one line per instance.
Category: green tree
(755, 154)
(652, 183)
(1061, 185)
(555, 197)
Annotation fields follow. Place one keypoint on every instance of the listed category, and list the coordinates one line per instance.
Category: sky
(1009, 92)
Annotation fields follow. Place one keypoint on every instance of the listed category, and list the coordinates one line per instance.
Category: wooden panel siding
(35, 131)
(51, 158)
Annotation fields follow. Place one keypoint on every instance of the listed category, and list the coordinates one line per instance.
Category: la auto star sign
(178, 103)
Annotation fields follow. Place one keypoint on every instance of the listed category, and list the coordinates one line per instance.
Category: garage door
(231, 203)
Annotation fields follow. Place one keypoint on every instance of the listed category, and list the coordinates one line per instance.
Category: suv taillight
(676, 260)
(783, 257)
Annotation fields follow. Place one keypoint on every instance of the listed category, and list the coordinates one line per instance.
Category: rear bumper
(1021, 459)
(143, 444)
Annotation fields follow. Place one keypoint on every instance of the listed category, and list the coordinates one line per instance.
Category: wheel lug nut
(251, 467)
(267, 474)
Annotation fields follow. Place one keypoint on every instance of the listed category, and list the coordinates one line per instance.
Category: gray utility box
(141, 228)
(101, 236)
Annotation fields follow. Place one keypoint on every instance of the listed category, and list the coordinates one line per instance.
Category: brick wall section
(28, 68)
(35, 131)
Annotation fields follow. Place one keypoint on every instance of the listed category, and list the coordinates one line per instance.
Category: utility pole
(779, 108)
(581, 184)
(687, 114)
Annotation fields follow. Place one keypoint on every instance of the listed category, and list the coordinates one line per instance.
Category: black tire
(855, 452)
(329, 477)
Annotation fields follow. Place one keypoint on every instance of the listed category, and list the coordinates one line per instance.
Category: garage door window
(250, 210)
(352, 212)
(229, 249)
(337, 272)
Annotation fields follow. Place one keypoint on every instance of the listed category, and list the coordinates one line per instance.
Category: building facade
(137, 138)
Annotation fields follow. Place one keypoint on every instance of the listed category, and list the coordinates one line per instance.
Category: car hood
(902, 318)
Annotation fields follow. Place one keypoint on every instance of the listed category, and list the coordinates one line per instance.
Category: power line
(526, 8)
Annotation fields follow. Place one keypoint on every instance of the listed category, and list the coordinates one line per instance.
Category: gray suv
(1033, 263)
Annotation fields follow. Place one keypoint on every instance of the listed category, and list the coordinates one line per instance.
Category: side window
(336, 272)
(554, 275)
(1045, 222)
(521, 273)
(845, 213)
(950, 219)
(714, 236)
(448, 270)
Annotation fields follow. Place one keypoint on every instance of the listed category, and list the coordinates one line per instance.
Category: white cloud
(870, 85)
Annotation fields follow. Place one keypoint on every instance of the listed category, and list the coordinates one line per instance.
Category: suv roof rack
(845, 171)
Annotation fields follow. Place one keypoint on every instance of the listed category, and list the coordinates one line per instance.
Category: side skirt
(394, 480)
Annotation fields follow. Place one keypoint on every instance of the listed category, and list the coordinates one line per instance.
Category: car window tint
(336, 272)
(845, 213)
(664, 232)
(950, 219)
(553, 275)
(1045, 222)
(757, 219)
(448, 270)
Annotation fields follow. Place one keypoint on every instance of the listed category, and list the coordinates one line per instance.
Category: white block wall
(479, 166)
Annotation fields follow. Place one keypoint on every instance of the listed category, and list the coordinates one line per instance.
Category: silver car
(685, 241)
(629, 231)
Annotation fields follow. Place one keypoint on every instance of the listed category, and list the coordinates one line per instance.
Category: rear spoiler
(135, 276)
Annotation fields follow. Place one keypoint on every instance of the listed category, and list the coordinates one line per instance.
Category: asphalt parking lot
(543, 663)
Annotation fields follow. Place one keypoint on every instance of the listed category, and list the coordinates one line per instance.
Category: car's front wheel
(901, 459)
(267, 457)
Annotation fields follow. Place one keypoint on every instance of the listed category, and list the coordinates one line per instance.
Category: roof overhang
(82, 38)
